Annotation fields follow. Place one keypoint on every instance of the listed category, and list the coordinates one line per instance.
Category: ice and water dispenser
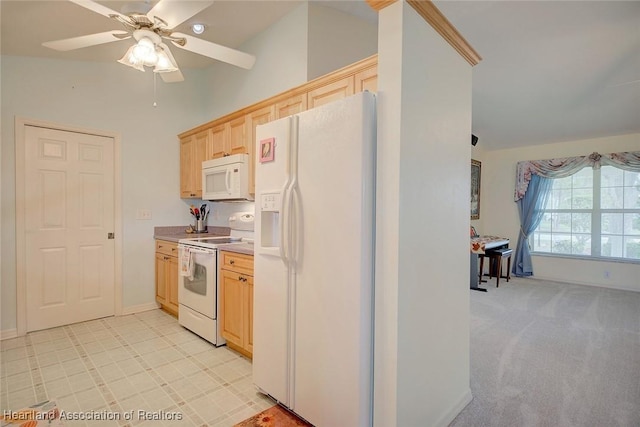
(270, 220)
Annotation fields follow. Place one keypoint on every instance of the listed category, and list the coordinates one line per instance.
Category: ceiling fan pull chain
(155, 75)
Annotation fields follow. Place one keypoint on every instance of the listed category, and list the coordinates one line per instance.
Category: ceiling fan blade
(175, 12)
(216, 51)
(86, 41)
(173, 76)
(95, 7)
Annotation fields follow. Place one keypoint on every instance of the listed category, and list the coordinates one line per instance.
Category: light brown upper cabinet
(218, 145)
(293, 105)
(237, 129)
(258, 117)
(331, 92)
(235, 132)
(367, 80)
(193, 151)
(228, 138)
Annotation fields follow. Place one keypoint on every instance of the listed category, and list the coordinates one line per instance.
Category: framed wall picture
(475, 189)
(267, 150)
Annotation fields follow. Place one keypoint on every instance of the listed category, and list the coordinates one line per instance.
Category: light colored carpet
(553, 354)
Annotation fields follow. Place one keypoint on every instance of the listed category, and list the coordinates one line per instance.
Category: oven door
(199, 293)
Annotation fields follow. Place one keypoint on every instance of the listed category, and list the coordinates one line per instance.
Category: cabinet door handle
(232, 262)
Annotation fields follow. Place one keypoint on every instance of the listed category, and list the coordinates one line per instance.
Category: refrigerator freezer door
(271, 275)
(333, 291)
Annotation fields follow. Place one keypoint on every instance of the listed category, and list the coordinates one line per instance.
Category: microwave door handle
(227, 180)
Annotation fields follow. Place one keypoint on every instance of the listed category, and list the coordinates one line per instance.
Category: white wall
(337, 39)
(110, 97)
(422, 280)
(308, 42)
(499, 213)
(281, 63)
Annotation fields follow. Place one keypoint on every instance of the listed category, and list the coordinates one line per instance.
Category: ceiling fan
(150, 30)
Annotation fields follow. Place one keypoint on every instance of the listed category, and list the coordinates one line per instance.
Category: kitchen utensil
(200, 226)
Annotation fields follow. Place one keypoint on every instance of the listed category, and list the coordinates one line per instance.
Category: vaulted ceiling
(551, 71)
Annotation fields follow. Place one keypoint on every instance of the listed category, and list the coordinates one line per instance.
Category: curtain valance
(564, 167)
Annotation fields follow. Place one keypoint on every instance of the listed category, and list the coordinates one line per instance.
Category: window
(595, 212)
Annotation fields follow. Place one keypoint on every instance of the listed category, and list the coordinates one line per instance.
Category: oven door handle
(196, 250)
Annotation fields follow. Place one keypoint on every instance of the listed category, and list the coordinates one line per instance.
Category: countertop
(241, 248)
(175, 233)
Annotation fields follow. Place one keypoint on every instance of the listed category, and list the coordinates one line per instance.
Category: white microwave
(226, 178)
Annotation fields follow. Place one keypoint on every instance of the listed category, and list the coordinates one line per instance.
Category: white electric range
(198, 290)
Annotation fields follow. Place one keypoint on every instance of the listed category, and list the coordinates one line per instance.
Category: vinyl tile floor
(129, 370)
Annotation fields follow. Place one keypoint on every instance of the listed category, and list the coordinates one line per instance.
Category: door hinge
(111, 236)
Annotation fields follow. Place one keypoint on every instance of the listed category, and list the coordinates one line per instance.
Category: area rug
(276, 416)
(39, 415)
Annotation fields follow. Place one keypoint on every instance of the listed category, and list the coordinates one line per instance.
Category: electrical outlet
(143, 214)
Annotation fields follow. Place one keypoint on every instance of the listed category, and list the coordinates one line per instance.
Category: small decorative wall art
(267, 150)
(475, 189)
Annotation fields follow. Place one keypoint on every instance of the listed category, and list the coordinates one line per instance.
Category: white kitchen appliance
(198, 291)
(226, 178)
(314, 262)
(242, 225)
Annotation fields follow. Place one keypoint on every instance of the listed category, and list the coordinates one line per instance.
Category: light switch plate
(143, 214)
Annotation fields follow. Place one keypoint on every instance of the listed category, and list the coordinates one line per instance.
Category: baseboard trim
(448, 417)
(139, 308)
(574, 282)
(6, 334)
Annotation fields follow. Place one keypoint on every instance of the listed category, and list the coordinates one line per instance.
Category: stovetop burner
(209, 242)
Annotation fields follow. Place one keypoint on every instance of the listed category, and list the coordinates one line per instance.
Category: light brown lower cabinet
(236, 289)
(167, 275)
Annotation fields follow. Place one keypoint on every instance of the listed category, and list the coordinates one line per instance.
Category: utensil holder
(200, 226)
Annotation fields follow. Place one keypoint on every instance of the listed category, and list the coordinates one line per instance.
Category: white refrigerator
(314, 262)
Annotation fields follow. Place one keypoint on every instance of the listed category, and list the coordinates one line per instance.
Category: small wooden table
(478, 247)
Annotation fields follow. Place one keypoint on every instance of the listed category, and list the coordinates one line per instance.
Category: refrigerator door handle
(296, 221)
(292, 213)
(283, 223)
(291, 224)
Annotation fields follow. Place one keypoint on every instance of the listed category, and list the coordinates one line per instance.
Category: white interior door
(69, 212)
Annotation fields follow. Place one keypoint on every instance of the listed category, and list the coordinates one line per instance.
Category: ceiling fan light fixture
(144, 51)
(130, 60)
(164, 63)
